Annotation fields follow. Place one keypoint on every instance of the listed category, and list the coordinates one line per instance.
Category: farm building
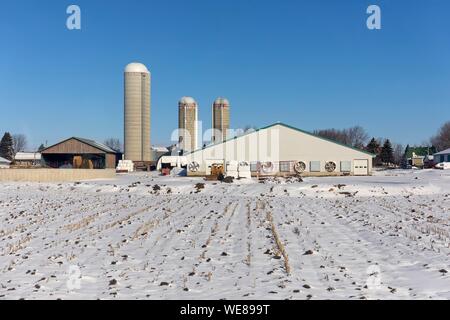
(158, 152)
(421, 157)
(280, 149)
(27, 159)
(4, 163)
(80, 153)
(443, 156)
(170, 162)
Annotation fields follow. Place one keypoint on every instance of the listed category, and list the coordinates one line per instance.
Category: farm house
(443, 156)
(280, 149)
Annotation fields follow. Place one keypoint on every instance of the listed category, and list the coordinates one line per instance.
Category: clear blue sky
(312, 64)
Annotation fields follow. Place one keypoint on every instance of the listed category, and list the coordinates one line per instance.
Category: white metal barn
(280, 149)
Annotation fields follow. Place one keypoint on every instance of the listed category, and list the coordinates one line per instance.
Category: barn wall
(110, 161)
(279, 143)
(257, 146)
(300, 146)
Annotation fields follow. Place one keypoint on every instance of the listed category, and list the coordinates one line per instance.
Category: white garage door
(360, 167)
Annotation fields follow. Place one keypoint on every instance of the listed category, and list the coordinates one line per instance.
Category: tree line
(385, 150)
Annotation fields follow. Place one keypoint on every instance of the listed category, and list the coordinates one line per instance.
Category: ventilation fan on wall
(330, 166)
(194, 166)
(267, 167)
(300, 167)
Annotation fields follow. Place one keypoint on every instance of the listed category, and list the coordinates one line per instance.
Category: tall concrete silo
(137, 112)
(220, 120)
(187, 123)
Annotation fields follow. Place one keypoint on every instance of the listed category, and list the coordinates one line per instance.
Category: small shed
(158, 152)
(27, 159)
(4, 163)
(170, 162)
(80, 153)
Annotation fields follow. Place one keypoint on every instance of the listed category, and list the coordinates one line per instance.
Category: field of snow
(143, 236)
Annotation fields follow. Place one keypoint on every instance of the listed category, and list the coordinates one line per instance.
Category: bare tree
(247, 129)
(442, 139)
(19, 143)
(399, 152)
(114, 144)
(332, 134)
(355, 136)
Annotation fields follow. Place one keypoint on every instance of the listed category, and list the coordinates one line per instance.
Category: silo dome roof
(222, 101)
(187, 100)
(136, 67)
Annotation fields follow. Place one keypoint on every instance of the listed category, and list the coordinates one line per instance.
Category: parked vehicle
(443, 166)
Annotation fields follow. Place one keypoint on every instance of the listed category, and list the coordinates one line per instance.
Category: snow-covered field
(142, 236)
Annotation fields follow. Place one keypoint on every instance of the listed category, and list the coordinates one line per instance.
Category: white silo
(137, 112)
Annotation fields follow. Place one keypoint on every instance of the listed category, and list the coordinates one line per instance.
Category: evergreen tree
(405, 156)
(6, 147)
(373, 147)
(387, 153)
(41, 147)
(406, 150)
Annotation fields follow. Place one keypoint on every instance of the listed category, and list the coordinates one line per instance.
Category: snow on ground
(142, 236)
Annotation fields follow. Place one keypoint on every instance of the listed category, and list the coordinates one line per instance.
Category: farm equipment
(217, 172)
(165, 171)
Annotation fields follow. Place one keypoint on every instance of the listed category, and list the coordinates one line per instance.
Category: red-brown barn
(80, 153)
